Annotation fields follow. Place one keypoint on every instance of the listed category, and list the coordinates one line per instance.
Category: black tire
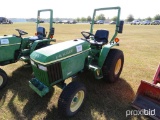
(113, 65)
(3, 78)
(66, 104)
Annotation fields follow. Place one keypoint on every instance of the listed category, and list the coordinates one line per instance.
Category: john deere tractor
(16, 47)
(53, 64)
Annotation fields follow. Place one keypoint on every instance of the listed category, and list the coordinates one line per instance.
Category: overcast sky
(77, 8)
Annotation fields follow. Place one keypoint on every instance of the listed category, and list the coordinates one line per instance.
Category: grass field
(141, 47)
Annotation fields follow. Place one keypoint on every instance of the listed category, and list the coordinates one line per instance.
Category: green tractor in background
(53, 64)
(15, 47)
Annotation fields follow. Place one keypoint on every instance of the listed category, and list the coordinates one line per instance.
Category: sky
(77, 8)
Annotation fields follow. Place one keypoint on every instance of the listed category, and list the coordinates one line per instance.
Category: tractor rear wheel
(113, 65)
(3, 78)
(71, 98)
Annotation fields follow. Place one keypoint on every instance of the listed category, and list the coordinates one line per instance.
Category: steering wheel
(21, 32)
(86, 34)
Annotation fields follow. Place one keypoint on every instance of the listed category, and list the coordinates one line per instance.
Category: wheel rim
(1, 80)
(77, 101)
(118, 66)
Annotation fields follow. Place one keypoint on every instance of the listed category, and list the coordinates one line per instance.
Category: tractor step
(38, 87)
(97, 71)
(25, 58)
(25, 52)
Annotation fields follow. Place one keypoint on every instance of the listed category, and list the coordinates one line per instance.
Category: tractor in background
(17, 47)
(53, 64)
(148, 96)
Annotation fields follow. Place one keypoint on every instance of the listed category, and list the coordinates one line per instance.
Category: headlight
(42, 67)
(32, 62)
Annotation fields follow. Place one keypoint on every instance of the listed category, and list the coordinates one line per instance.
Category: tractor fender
(104, 52)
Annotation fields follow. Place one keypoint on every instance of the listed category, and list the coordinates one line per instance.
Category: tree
(149, 18)
(100, 17)
(114, 18)
(89, 18)
(83, 19)
(141, 19)
(130, 18)
(157, 17)
(78, 19)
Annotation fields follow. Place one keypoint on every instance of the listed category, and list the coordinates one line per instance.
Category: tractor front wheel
(113, 65)
(71, 98)
(3, 78)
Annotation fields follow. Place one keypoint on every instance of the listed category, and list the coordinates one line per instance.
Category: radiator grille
(54, 72)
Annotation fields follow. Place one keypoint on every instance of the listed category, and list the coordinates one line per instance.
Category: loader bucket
(156, 78)
(148, 98)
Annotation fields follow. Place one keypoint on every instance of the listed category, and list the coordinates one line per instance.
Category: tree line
(82, 19)
(131, 18)
(99, 17)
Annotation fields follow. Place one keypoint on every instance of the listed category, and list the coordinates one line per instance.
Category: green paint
(41, 75)
(57, 52)
(73, 64)
(38, 87)
(117, 21)
(16, 47)
(8, 46)
(50, 22)
(66, 59)
(104, 52)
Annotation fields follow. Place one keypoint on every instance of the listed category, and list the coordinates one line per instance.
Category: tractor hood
(60, 51)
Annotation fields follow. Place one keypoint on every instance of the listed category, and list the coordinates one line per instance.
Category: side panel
(8, 46)
(73, 64)
(104, 52)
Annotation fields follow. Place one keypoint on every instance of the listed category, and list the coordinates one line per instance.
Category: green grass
(141, 47)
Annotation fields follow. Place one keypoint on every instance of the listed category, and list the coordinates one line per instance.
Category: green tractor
(16, 47)
(53, 64)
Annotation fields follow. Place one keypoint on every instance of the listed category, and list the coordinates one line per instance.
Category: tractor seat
(100, 38)
(40, 34)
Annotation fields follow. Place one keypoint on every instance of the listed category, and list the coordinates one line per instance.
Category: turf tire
(66, 106)
(114, 61)
(3, 78)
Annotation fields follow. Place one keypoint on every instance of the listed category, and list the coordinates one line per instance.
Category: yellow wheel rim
(1, 80)
(118, 66)
(77, 101)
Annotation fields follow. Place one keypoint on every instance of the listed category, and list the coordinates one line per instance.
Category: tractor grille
(41, 75)
(54, 72)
